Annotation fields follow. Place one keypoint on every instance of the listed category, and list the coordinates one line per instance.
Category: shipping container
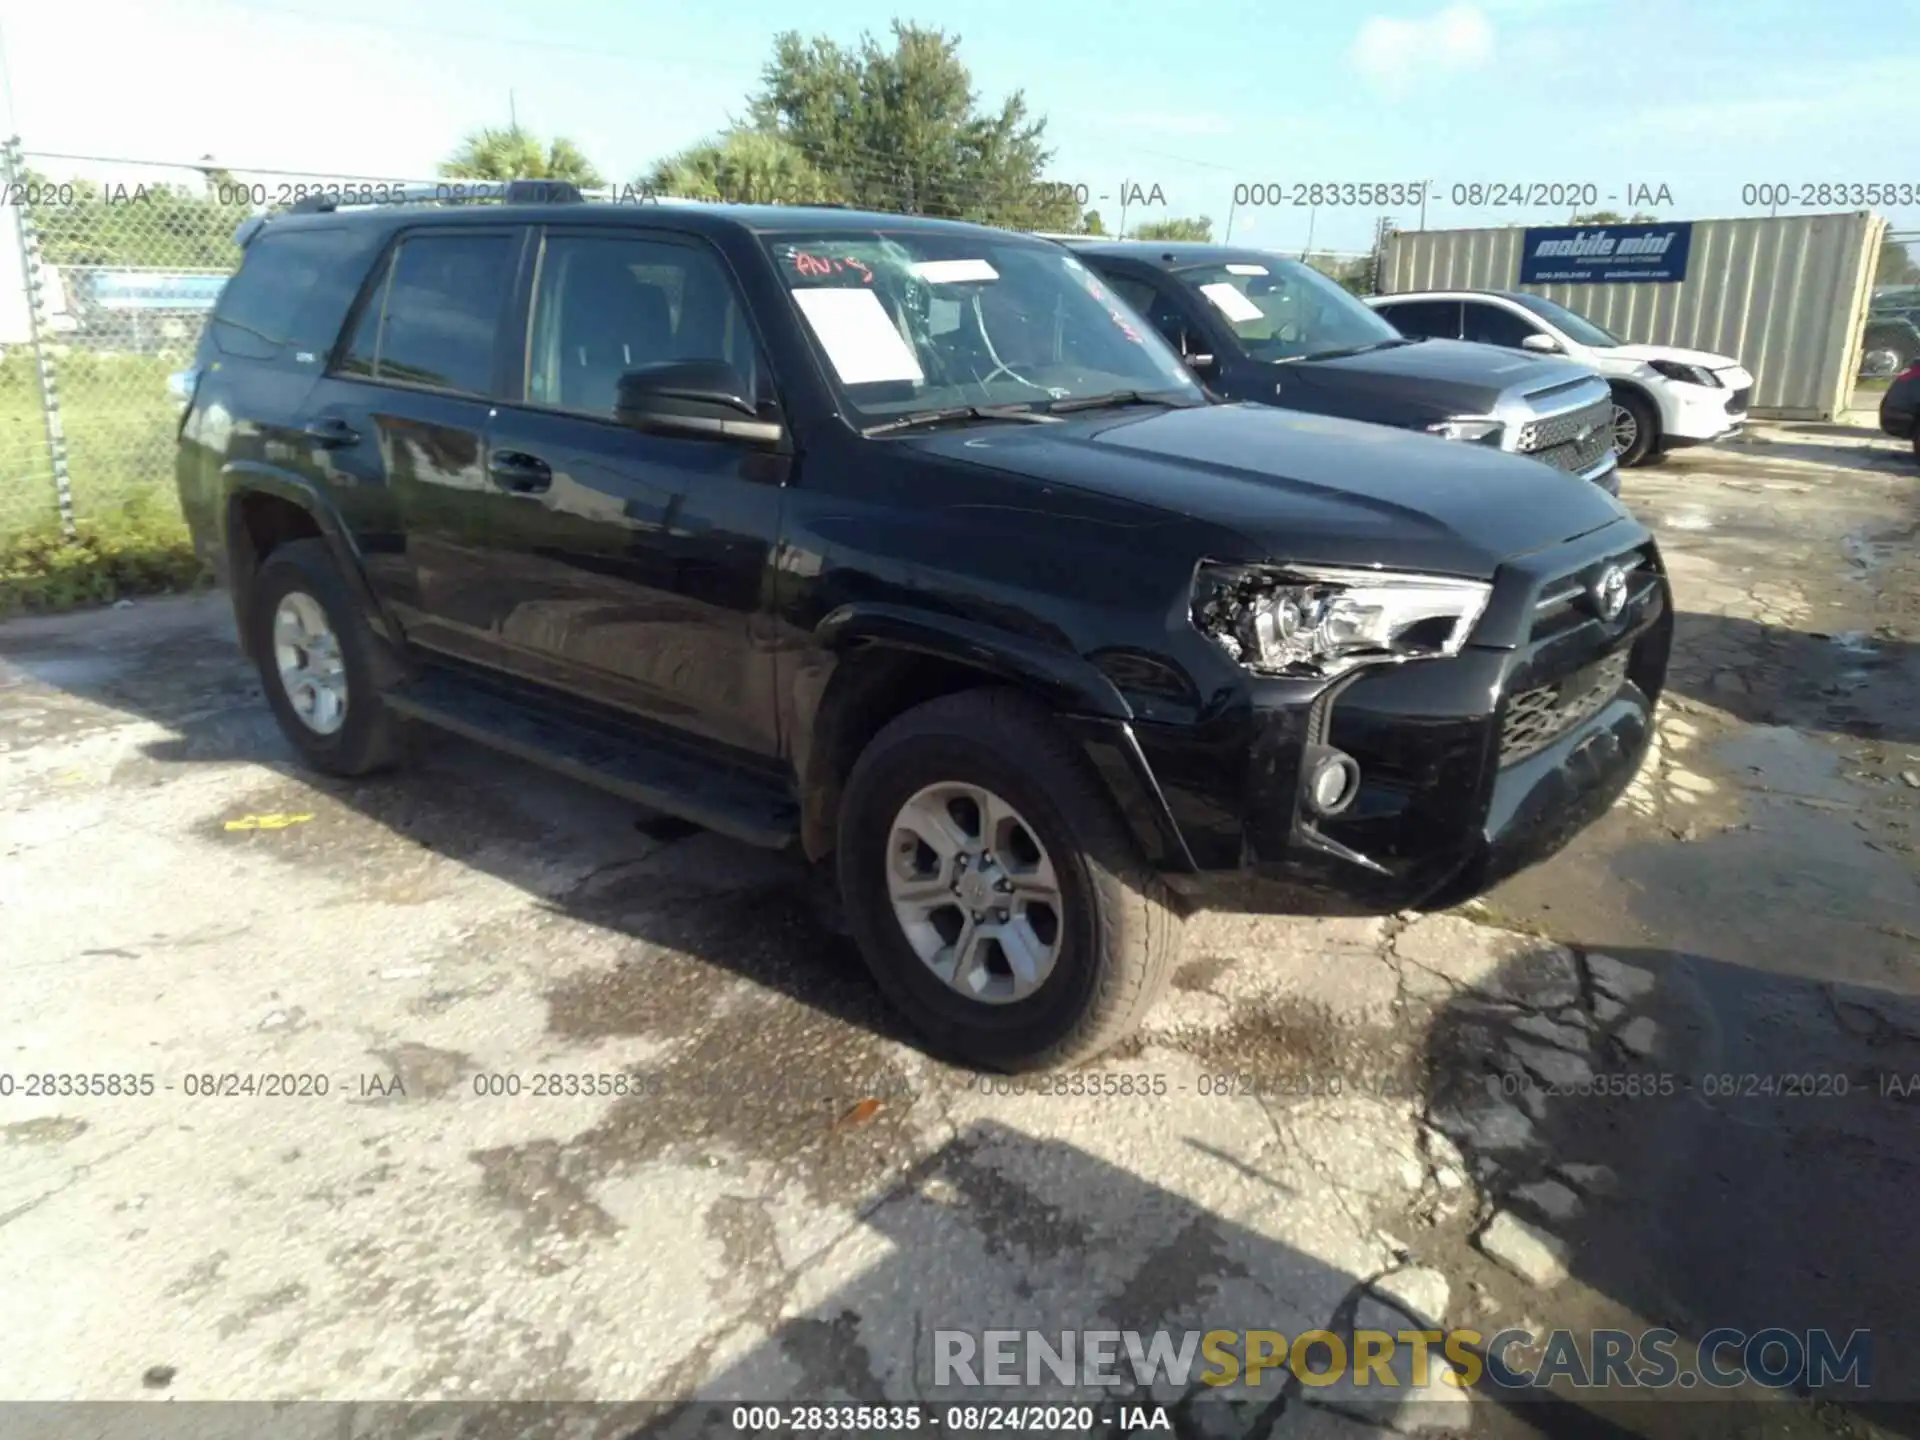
(1784, 295)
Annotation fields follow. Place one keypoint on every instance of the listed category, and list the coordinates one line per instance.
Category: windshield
(1574, 324)
(1284, 310)
(911, 321)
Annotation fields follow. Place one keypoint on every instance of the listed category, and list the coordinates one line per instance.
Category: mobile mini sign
(1605, 254)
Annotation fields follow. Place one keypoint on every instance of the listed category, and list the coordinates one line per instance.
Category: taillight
(1912, 372)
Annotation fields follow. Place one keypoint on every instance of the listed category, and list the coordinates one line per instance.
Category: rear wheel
(994, 892)
(319, 662)
(1636, 429)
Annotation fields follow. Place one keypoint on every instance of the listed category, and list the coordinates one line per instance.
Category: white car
(1663, 397)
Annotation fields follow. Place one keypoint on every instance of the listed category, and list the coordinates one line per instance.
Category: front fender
(894, 642)
(1066, 682)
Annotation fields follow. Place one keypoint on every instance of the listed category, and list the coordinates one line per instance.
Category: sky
(1702, 97)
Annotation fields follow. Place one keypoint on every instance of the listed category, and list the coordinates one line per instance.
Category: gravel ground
(1559, 1106)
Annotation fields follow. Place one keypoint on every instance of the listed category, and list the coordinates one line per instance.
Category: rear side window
(291, 293)
(434, 317)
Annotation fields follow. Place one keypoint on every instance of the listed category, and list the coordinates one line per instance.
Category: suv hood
(1706, 359)
(1305, 488)
(1450, 375)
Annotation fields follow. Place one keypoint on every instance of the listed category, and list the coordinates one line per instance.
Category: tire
(1116, 936)
(1646, 428)
(367, 736)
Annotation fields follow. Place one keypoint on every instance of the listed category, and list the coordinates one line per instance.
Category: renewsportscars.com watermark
(1512, 1359)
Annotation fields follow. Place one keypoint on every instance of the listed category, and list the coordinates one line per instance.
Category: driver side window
(1495, 325)
(1159, 308)
(605, 305)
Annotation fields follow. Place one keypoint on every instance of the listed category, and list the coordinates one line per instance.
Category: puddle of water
(1854, 642)
(1690, 519)
(1869, 551)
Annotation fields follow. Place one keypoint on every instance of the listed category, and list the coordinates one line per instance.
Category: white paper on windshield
(948, 272)
(1231, 303)
(858, 337)
(1246, 269)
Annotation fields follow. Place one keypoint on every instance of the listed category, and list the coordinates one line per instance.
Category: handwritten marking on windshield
(823, 266)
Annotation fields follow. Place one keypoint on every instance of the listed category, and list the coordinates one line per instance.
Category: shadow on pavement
(1847, 683)
(1712, 1146)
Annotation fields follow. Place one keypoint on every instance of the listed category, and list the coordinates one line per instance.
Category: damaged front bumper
(1470, 768)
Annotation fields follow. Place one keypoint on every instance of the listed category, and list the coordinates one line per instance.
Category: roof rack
(449, 192)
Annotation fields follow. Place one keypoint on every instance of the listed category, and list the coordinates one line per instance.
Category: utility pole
(513, 114)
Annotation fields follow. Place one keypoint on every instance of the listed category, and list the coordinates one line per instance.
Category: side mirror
(1545, 344)
(704, 398)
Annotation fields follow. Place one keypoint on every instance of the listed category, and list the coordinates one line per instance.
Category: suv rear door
(403, 414)
(638, 560)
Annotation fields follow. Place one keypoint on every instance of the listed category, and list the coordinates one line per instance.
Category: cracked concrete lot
(534, 1099)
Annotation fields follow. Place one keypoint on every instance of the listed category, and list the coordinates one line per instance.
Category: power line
(706, 63)
(517, 42)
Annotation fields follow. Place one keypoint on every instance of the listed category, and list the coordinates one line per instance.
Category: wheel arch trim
(243, 478)
(1081, 698)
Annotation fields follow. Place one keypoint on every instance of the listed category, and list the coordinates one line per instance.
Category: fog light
(1333, 779)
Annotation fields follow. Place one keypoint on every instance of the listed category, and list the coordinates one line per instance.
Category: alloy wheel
(975, 892)
(1626, 429)
(306, 653)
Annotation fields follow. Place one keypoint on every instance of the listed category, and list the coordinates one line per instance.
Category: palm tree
(743, 167)
(516, 154)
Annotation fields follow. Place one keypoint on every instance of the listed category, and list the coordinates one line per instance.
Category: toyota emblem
(1610, 592)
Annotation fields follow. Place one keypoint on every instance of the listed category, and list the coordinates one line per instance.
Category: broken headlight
(1318, 623)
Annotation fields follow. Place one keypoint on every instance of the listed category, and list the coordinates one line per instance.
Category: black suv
(907, 543)
(1264, 328)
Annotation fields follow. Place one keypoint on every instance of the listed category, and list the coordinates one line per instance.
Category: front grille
(1535, 718)
(1564, 429)
(1737, 403)
(1577, 455)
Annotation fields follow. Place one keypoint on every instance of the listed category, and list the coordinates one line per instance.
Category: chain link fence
(109, 270)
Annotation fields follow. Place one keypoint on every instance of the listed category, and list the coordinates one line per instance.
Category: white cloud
(1390, 52)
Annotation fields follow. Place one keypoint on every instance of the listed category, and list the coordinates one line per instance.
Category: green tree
(744, 167)
(1092, 224)
(515, 153)
(1176, 228)
(901, 128)
(1353, 272)
(1896, 265)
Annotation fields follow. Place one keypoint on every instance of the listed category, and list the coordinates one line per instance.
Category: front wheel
(1636, 428)
(993, 889)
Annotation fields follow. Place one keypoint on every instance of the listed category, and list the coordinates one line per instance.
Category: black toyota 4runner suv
(909, 544)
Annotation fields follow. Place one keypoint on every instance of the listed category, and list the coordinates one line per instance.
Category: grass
(119, 424)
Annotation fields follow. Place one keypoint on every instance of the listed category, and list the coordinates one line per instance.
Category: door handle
(520, 474)
(330, 432)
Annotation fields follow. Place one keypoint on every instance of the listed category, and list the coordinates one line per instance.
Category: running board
(710, 796)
